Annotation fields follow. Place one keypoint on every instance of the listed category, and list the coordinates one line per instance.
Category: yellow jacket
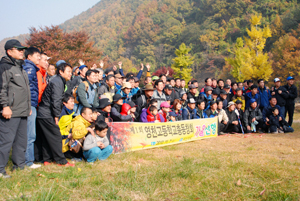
(78, 127)
(63, 123)
(235, 98)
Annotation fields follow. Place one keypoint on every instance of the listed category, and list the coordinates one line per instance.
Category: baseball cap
(289, 78)
(252, 100)
(132, 104)
(276, 79)
(230, 103)
(13, 43)
(82, 67)
(155, 78)
(168, 86)
(126, 85)
(191, 100)
(165, 104)
(192, 86)
(238, 102)
(222, 91)
(103, 103)
(60, 62)
(206, 89)
(226, 86)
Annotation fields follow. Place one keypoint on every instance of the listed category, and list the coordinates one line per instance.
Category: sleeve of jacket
(284, 93)
(264, 113)
(4, 79)
(81, 94)
(115, 113)
(205, 115)
(184, 114)
(79, 131)
(101, 90)
(30, 73)
(121, 72)
(259, 115)
(245, 117)
(194, 114)
(139, 75)
(89, 143)
(293, 93)
(56, 98)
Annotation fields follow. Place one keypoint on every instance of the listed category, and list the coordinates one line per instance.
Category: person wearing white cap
(189, 112)
(281, 94)
(233, 123)
(290, 102)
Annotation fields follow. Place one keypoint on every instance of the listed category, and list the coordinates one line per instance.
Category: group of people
(67, 114)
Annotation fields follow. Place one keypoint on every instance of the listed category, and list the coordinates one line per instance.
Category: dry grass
(231, 167)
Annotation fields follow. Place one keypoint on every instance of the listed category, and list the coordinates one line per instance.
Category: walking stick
(238, 115)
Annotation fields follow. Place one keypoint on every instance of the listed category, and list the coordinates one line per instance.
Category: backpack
(75, 91)
(138, 94)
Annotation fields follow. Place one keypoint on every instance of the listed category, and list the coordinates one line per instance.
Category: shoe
(47, 163)
(280, 131)
(222, 133)
(76, 159)
(34, 166)
(67, 165)
(4, 175)
(260, 131)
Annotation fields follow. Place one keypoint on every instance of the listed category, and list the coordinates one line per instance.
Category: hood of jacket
(125, 108)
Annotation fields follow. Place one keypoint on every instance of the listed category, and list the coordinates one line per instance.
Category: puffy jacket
(143, 116)
(151, 117)
(14, 87)
(125, 108)
(267, 112)
(31, 70)
(65, 120)
(251, 113)
(42, 81)
(52, 98)
(264, 94)
(79, 127)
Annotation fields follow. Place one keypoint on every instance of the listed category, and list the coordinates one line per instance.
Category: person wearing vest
(189, 112)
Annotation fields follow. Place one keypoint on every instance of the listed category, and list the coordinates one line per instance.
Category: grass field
(230, 167)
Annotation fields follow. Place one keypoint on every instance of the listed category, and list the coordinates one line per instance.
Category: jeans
(96, 153)
(31, 135)
(282, 110)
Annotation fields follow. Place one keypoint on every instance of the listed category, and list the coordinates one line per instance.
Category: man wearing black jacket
(280, 93)
(15, 107)
(290, 102)
(48, 114)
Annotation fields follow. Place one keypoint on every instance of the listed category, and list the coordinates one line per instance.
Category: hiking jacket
(188, 113)
(292, 93)
(264, 94)
(79, 127)
(281, 98)
(209, 114)
(52, 98)
(31, 70)
(249, 96)
(14, 87)
(267, 112)
(241, 98)
(251, 113)
(104, 89)
(42, 81)
(231, 116)
(65, 120)
(72, 84)
(160, 98)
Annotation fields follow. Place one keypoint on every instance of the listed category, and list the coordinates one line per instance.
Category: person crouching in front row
(96, 146)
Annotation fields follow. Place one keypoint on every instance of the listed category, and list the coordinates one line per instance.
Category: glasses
(18, 49)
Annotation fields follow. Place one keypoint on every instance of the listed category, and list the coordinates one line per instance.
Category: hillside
(151, 30)
(21, 38)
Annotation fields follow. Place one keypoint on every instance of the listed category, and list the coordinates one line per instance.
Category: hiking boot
(67, 165)
(280, 131)
(4, 175)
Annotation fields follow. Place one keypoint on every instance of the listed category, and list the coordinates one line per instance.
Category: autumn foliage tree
(164, 70)
(70, 46)
(286, 56)
(250, 62)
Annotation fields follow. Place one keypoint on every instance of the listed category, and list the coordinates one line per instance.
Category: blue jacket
(126, 96)
(267, 112)
(209, 114)
(248, 96)
(188, 113)
(264, 94)
(139, 75)
(31, 70)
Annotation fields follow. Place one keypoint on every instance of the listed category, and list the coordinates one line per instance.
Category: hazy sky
(17, 16)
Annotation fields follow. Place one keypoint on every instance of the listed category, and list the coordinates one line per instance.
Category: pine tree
(250, 62)
(182, 63)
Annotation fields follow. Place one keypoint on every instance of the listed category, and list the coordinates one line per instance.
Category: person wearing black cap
(264, 94)
(15, 106)
(192, 92)
(252, 94)
(223, 98)
(170, 93)
(290, 102)
(215, 94)
(229, 94)
(104, 109)
(281, 95)
(142, 99)
(116, 109)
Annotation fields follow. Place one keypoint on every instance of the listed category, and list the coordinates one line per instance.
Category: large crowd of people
(48, 117)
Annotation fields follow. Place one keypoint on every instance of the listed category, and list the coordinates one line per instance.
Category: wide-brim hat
(148, 87)
(126, 85)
